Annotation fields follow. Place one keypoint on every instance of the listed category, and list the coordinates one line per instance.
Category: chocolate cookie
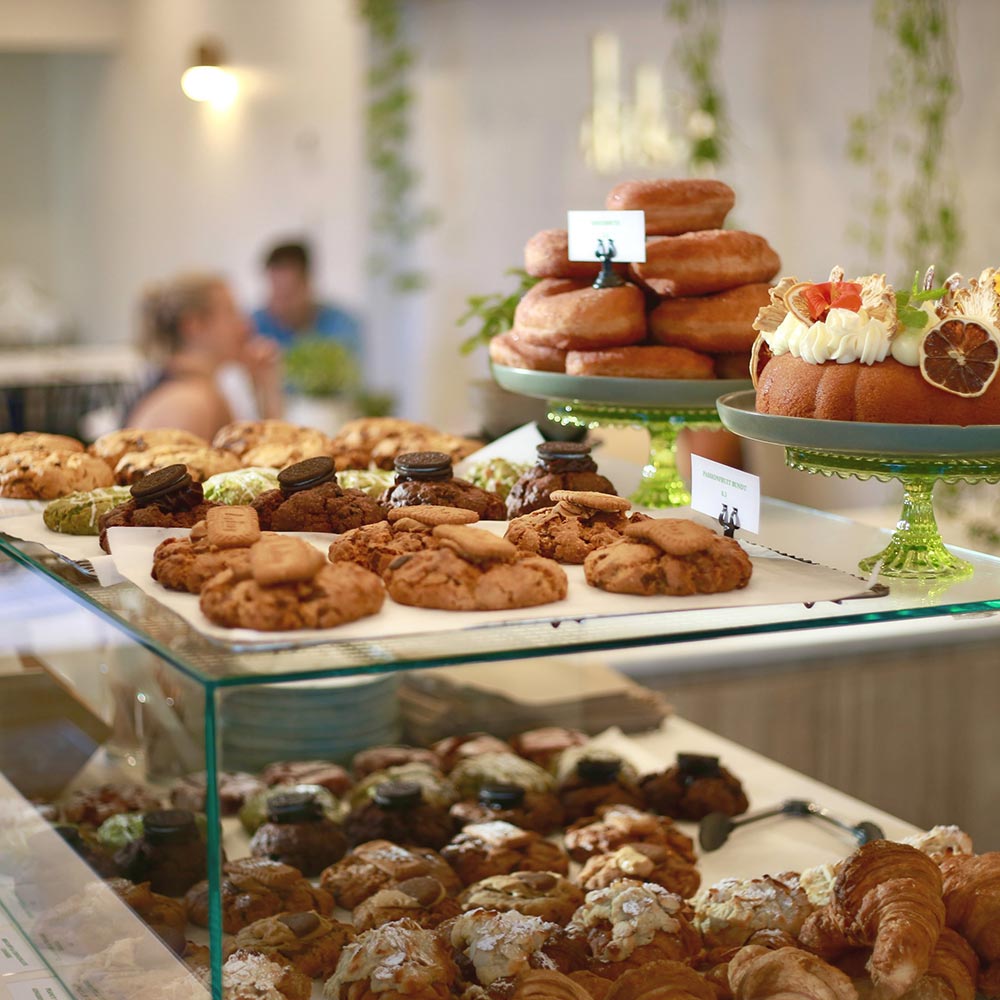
(298, 833)
(562, 465)
(579, 523)
(538, 811)
(425, 477)
(397, 811)
(473, 570)
(187, 565)
(694, 787)
(326, 507)
(669, 556)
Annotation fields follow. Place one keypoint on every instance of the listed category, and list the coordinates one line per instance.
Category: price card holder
(607, 236)
(730, 496)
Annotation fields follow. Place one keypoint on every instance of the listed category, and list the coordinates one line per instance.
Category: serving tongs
(715, 828)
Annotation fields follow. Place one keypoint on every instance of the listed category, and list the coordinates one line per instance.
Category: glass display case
(151, 699)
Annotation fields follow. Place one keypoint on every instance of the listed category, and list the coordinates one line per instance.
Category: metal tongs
(715, 828)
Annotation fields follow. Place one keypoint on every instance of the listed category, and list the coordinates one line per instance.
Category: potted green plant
(323, 380)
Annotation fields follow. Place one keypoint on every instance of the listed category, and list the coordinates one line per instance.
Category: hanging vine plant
(903, 140)
(696, 53)
(396, 219)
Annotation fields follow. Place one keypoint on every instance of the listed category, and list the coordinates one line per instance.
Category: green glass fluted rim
(570, 412)
(948, 469)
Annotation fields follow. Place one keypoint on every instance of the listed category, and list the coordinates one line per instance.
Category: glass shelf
(820, 537)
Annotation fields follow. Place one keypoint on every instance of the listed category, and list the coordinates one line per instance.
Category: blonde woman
(192, 327)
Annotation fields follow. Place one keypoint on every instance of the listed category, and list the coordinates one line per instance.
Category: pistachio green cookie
(496, 475)
(79, 513)
(374, 482)
(240, 487)
(499, 768)
(254, 810)
(437, 789)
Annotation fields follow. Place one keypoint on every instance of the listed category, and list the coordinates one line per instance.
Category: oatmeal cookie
(381, 864)
(498, 848)
(579, 523)
(615, 826)
(37, 441)
(114, 445)
(474, 570)
(643, 863)
(309, 940)
(253, 888)
(547, 895)
(669, 556)
(46, 475)
(424, 900)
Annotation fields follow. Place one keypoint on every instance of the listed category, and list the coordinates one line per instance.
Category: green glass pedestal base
(915, 551)
(662, 484)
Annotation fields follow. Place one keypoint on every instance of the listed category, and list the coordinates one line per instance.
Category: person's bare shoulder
(194, 405)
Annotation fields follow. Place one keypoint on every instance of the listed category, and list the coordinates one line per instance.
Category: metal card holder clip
(730, 520)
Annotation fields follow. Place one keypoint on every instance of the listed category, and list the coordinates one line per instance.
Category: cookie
(242, 436)
(477, 572)
(375, 546)
(325, 773)
(37, 441)
(694, 787)
(590, 500)
(201, 463)
(423, 899)
(235, 787)
(538, 811)
(548, 895)
(335, 595)
(182, 505)
(114, 445)
(46, 475)
(310, 941)
(232, 527)
(499, 848)
(92, 806)
(378, 758)
(543, 746)
(669, 556)
(79, 513)
(283, 560)
(187, 565)
(433, 515)
(452, 750)
(326, 507)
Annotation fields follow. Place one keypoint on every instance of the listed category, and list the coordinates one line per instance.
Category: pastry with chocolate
(452, 750)
(166, 498)
(234, 788)
(310, 941)
(309, 498)
(374, 759)
(627, 924)
(472, 773)
(591, 777)
(423, 900)
(325, 773)
(546, 895)
(498, 848)
(253, 812)
(425, 477)
(298, 833)
(538, 811)
(92, 806)
(615, 826)
(694, 787)
(561, 465)
(381, 864)
(543, 746)
(398, 811)
(254, 888)
(642, 863)
(395, 960)
(437, 789)
(170, 854)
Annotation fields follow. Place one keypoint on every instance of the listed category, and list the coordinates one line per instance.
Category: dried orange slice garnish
(811, 301)
(960, 356)
(760, 354)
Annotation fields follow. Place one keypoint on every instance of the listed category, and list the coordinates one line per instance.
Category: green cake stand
(918, 455)
(663, 407)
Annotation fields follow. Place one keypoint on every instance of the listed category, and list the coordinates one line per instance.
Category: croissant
(714, 963)
(989, 981)
(663, 980)
(540, 984)
(951, 974)
(597, 987)
(972, 900)
(786, 974)
(887, 897)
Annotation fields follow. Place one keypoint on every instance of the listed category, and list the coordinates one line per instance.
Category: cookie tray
(777, 579)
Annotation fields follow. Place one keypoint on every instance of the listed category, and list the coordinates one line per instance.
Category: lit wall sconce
(207, 79)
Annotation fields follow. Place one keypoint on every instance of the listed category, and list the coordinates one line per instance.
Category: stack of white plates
(307, 720)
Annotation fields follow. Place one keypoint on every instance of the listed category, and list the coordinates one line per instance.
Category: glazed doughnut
(546, 255)
(705, 262)
(574, 316)
(715, 324)
(732, 365)
(674, 206)
(511, 350)
(641, 362)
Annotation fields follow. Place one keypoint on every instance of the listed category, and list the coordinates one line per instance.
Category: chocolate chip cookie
(45, 475)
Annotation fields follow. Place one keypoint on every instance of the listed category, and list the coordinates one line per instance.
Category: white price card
(592, 234)
(728, 495)
(37, 989)
(16, 955)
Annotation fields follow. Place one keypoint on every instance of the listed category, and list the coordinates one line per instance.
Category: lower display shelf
(101, 941)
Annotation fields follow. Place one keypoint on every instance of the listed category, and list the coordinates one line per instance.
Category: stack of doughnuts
(687, 312)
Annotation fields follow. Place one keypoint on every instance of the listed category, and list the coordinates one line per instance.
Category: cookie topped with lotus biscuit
(579, 522)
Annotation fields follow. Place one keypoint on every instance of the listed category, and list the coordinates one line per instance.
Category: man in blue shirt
(292, 310)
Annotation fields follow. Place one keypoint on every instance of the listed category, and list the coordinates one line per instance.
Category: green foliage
(696, 52)
(902, 139)
(908, 310)
(494, 313)
(395, 220)
(315, 366)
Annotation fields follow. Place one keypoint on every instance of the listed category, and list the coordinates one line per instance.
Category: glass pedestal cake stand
(918, 455)
(664, 407)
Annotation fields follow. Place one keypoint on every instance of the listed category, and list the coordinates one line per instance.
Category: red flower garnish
(827, 295)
